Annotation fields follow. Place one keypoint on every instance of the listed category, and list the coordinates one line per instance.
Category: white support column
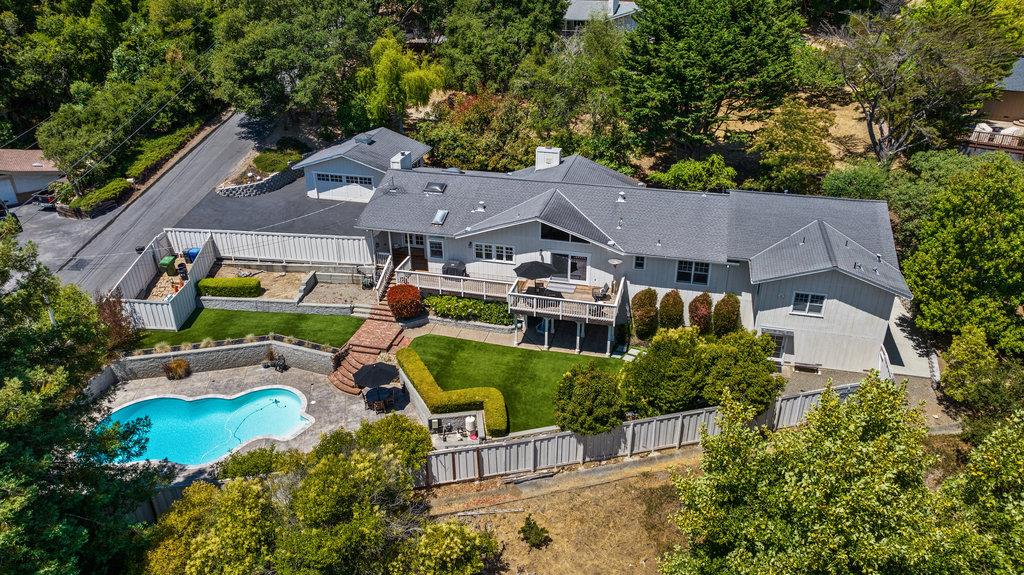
(391, 248)
(515, 329)
(580, 326)
(611, 339)
(546, 323)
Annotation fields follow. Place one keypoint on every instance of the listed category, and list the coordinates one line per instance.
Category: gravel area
(340, 293)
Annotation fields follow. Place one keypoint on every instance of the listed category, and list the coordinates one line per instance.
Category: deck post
(547, 328)
(611, 338)
(515, 329)
(580, 326)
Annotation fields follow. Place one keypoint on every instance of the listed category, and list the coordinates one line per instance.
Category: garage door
(7, 191)
(342, 187)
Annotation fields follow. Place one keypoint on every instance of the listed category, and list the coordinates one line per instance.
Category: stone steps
(372, 338)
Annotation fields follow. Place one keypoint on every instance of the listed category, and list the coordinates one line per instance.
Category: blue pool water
(203, 430)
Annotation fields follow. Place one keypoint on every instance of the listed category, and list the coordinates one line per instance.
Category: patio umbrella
(534, 270)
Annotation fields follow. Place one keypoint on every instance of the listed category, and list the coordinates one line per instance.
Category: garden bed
(526, 378)
(223, 324)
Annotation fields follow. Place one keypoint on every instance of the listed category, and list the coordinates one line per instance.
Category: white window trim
(494, 253)
(641, 267)
(344, 179)
(692, 273)
(794, 311)
(437, 239)
(410, 241)
(584, 281)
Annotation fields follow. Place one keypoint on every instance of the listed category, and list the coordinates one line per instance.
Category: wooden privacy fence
(277, 247)
(546, 451)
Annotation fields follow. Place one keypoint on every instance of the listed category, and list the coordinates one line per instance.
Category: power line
(34, 126)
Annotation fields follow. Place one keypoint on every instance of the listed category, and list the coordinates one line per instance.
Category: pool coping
(302, 411)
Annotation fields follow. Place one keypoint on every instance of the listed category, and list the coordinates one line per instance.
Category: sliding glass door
(571, 267)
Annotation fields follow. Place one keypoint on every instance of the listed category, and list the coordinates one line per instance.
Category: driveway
(286, 210)
(107, 255)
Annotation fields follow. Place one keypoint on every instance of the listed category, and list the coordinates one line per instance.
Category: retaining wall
(274, 305)
(271, 183)
(223, 357)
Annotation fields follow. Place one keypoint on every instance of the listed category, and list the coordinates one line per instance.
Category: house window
(639, 262)
(551, 233)
(366, 181)
(435, 247)
(780, 346)
(333, 178)
(414, 240)
(690, 272)
(808, 303)
(493, 253)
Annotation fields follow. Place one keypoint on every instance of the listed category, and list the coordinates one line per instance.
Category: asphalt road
(107, 255)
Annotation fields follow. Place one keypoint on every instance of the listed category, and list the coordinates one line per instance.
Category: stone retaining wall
(274, 305)
(214, 358)
(271, 183)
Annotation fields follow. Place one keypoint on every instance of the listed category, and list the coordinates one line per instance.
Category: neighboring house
(580, 12)
(350, 170)
(1003, 127)
(22, 173)
(818, 274)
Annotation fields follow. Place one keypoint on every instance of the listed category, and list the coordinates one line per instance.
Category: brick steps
(372, 338)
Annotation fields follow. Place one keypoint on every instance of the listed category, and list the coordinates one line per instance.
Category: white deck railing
(455, 285)
(385, 275)
(567, 308)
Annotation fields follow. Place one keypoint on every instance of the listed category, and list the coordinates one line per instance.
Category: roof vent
(391, 187)
(803, 240)
(364, 138)
(876, 271)
(435, 187)
(480, 207)
(856, 265)
(619, 225)
(440, 217)
(658, 243)
(622, 197)
(37, 164)
(879, 257)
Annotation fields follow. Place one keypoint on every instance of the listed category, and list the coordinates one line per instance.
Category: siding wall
(339, 166)
(1009, 107)
(852, 328)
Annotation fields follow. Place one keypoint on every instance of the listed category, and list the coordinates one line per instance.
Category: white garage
(23, 172)
(341, 187)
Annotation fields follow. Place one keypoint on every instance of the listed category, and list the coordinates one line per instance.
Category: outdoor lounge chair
(601, 293)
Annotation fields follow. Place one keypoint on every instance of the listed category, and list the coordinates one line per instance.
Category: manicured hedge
(404, 301)
(700, 313)
(153, 152)
(230, 287)
(469, 309)
(645, 313)
(726, 317)
(113, 190)
(670, 312)
(440, 401)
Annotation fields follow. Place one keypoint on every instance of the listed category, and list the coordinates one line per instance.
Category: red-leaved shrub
(700, 313)
(404, 301)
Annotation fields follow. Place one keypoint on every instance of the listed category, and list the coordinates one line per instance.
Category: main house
(579, 12)
(818, 274)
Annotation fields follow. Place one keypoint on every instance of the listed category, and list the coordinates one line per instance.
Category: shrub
(112, 191)
(153, 152)
(588, 401)
(533, 534)
(645, 313)
(120, 325)
(969, 360)
(726, 317)
(292, 143)
(464, 308)
(409, 440)
(404, 301)
(867, 180)
(440, 401)
(258, 462)
(670, 312)
(711, 174)
(230, 287)
(177, 368)
(162, 347)
(272, 161)
(700, 313)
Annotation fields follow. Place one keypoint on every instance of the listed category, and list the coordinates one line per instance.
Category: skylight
(435, 187)
(439, 217)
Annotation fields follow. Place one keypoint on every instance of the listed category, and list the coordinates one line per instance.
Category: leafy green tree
(711, 174)
(395, 80)
(990, 397)
(725, 318)
(486, 40)
(66, 505)
(671, 309)
(408, 439)
(693, 65)
(680, 371)
(793, 148)
(816, 76)
(240, 534)
(968, 268)
(448, 548)
(920, 75)
(969, 358)
(588, 400)
(867, 180)
(843, 493)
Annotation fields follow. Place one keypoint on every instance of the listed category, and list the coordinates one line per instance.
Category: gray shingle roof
(586, 9)
(377, 154)
(576, 169)
(1015, 81)
(819, 247)
(738, 225)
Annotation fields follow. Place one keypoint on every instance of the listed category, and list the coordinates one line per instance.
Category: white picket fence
(547, 451)
(277, 247)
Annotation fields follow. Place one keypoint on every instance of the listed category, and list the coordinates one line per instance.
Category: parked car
(45, 199)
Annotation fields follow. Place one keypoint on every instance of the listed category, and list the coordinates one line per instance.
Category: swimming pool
(194, 431)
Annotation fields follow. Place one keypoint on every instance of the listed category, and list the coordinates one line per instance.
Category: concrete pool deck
(331, 408)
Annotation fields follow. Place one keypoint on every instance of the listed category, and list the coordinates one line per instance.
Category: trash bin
(167, 264)
(191, 254)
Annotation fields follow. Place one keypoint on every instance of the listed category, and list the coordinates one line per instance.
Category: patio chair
(601, 293)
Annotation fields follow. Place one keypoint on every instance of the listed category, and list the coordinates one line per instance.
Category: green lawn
(527, 378)
(332, 330)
